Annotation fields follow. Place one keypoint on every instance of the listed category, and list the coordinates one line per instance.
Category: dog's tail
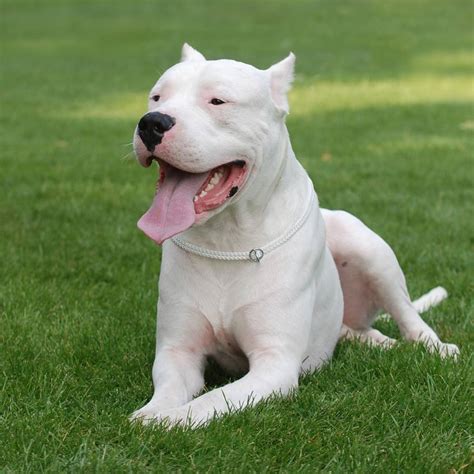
(430, 299)
(427, 301)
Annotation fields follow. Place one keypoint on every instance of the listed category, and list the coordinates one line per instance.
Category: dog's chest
(221, 313)
(220, 317)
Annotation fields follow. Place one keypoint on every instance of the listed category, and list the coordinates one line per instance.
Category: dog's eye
(216, 101)
(156, 98)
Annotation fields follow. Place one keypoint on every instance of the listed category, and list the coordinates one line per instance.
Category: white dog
(252, 269)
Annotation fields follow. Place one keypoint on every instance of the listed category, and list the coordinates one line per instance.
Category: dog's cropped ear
(281, 77)
(190, 54)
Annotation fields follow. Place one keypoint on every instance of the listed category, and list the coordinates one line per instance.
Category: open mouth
(221, 184)
(181, 196)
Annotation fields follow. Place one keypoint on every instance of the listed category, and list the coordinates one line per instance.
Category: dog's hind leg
(393, 297)
(372, 280)
(433, 298)
(370, 336)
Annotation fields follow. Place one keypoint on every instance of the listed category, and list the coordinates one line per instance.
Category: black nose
(152, 126)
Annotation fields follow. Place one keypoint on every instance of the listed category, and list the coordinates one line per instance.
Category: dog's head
(211, 126)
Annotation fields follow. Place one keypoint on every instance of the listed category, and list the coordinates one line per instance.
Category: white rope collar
(255, 254)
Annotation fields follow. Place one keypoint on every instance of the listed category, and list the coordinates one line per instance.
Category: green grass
(382, 119)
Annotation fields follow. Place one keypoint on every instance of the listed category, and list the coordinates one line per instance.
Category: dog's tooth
(209, 187)
(214, 179)
(195, 198)
(203, 193)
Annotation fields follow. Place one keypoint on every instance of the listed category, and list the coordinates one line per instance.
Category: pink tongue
(172, 210)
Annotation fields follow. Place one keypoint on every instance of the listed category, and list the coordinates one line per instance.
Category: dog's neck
(263, 214)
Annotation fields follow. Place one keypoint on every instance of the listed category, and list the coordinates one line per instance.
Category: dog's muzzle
(152, 127)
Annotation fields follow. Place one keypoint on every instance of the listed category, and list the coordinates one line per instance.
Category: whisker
(127, 156)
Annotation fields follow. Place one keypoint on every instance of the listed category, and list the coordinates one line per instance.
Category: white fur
(274, 319)
(188, 53)
(433, 298)
(281, 77)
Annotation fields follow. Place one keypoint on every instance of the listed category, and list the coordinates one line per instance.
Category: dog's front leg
(271, 372)
(177, 377)
(178, 369)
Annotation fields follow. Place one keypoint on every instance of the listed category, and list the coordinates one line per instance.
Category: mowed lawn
(382, 119)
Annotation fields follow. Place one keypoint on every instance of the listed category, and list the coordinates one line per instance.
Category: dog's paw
(444, 349)
(151, 415)
(432, 343)
(146, 414)
(388, 343)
